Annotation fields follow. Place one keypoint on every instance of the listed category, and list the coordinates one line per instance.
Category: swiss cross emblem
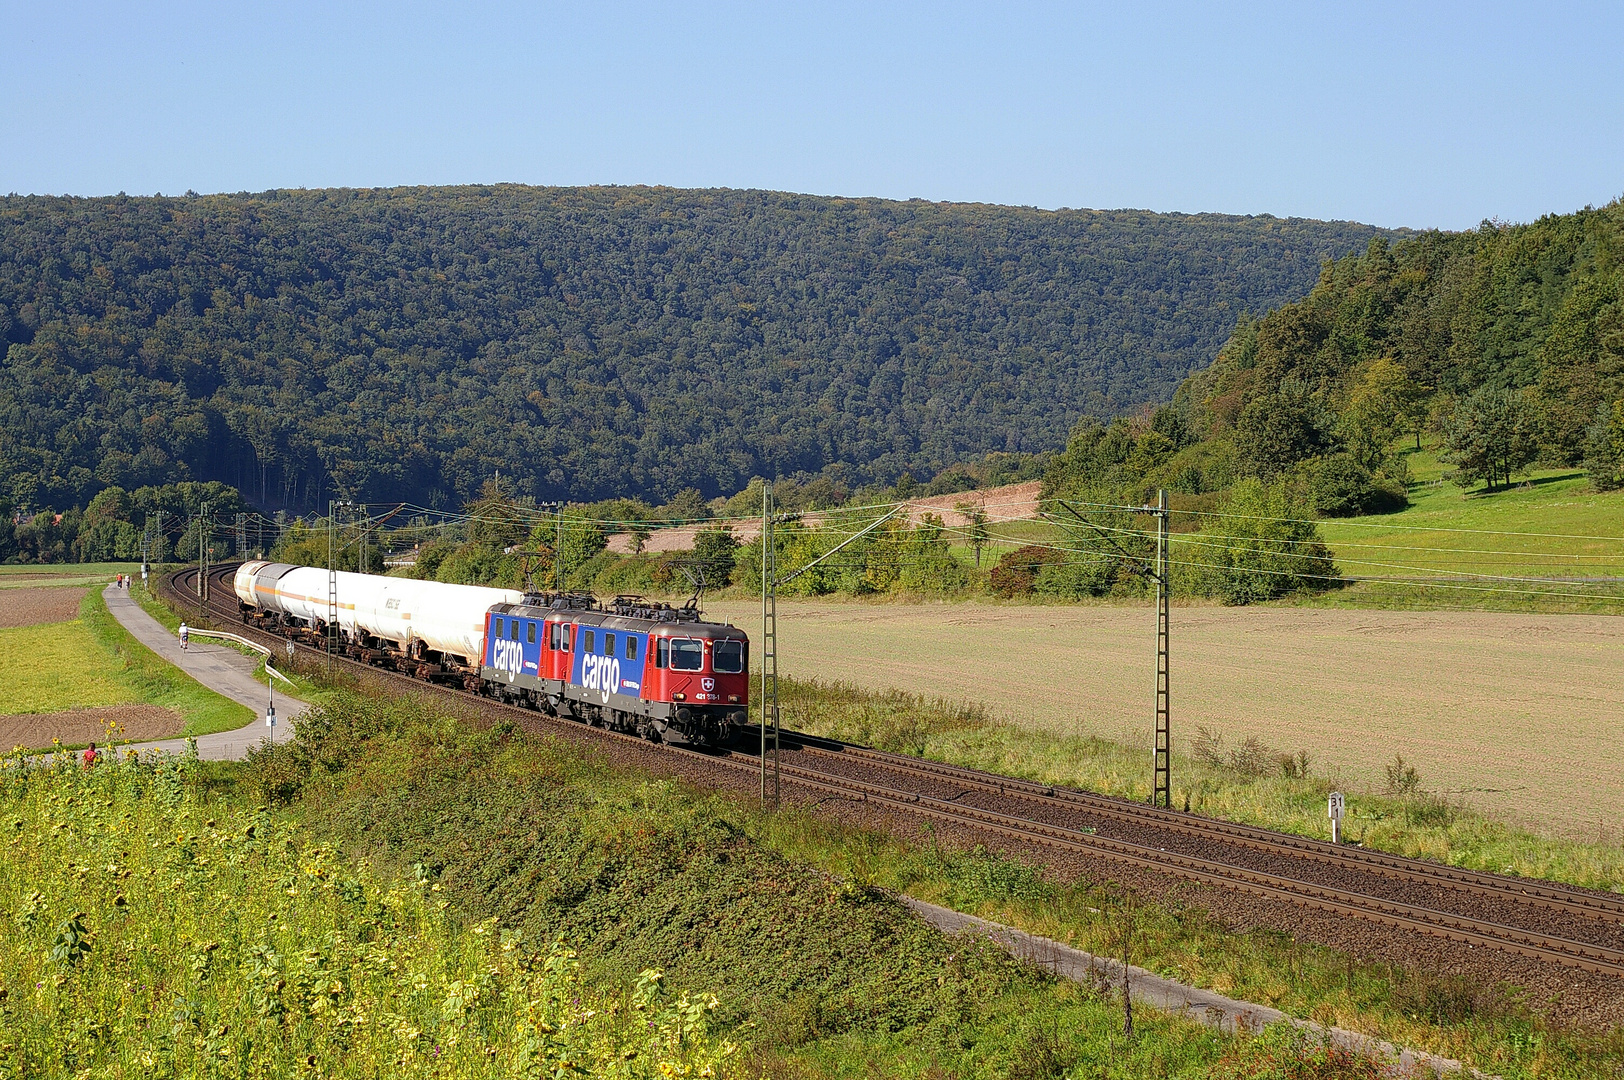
(707, 685)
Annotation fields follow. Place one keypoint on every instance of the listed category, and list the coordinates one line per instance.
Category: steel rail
(1534, 893)
(1515, 940)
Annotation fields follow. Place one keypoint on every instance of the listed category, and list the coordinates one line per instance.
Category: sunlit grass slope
(59, 666)
(155, 935)
(1551, 525)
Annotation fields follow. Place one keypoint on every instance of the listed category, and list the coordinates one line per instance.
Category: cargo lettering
(600, 673)
(508, 656)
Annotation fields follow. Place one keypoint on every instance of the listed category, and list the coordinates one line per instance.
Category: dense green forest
(1505, 343)
(409, 344)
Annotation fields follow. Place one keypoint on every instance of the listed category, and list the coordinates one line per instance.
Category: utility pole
(769, 618)
(203, 552)
(769, 640)
(242, 536)
(361, 525)
(558, 550)
(1162, 795)
(332, 589)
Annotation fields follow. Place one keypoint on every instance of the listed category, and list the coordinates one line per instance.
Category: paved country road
(225, 671)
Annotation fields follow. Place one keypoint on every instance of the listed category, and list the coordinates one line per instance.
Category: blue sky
(1410, 114)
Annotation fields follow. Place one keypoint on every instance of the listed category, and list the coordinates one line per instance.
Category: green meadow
(92, 661)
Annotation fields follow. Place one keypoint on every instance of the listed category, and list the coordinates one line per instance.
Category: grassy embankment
(411, 911)
(636, 873)
(91, 661)
(837, 981)
(163, 932)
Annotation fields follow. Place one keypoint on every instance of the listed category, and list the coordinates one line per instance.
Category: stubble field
(1521, 716)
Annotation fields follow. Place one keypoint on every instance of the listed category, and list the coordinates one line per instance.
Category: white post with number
(1338, 809)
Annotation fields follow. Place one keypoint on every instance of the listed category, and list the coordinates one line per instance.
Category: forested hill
(1504, 343)
(591, 342)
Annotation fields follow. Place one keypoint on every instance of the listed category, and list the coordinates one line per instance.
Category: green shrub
(1079, 575)
(1263, 546)
(1017, 571)
(1338, 486)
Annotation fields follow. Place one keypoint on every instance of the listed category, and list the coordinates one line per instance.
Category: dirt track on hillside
(1519, 714)
(1012, 502)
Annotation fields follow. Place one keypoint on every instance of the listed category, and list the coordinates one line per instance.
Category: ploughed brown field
(73, 727)
(1519, 715)
(32, 606)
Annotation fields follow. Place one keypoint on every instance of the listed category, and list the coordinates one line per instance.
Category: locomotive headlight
(733, 698)
(679, 697)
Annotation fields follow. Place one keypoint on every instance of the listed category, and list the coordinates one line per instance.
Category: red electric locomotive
(642, 668)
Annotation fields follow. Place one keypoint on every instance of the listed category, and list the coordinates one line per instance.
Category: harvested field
(135, 723)
(1517, 715)
(33, 606)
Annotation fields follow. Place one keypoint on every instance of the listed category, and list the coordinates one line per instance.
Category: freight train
(643, 668)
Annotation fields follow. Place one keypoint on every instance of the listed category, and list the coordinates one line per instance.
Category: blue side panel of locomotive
(609, 661)
(514, 644)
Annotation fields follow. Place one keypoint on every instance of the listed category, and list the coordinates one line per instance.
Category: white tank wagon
(429, 628)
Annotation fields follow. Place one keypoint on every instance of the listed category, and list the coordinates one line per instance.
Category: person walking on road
(185, 636)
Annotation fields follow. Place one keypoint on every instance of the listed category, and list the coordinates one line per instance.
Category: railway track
(1545, 894)
(1513, 915)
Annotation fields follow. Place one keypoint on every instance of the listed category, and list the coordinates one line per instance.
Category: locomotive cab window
(662, 652)
(498, 628)
(631, 647)
(687, 654)
(587, 646)
(728, 657)
(530, 633)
